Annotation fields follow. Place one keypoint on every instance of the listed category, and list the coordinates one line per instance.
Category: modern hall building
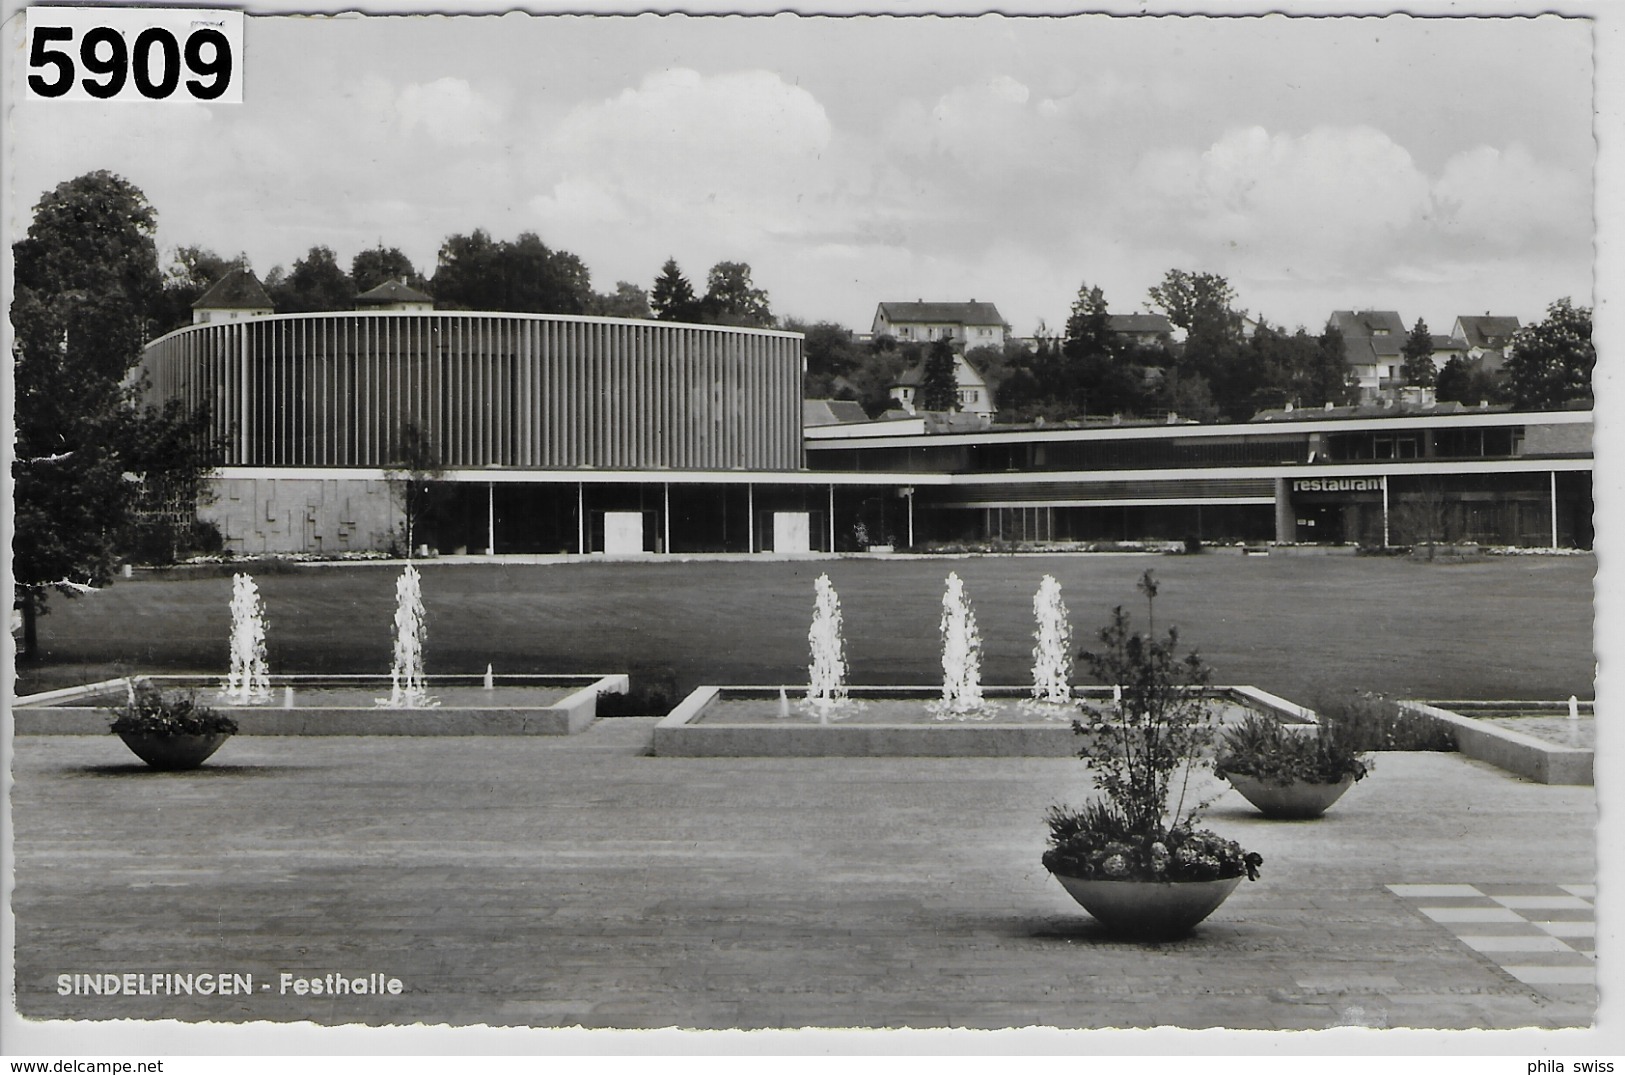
(562, 434)
(546, 433)
(1376, 475)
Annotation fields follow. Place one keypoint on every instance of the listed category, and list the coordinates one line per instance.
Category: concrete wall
(259, 515)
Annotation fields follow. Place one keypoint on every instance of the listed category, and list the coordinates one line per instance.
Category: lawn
(1512, 628)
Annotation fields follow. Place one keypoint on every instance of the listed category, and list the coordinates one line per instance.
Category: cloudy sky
(1433, 166)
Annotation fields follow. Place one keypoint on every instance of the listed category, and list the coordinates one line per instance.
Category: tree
(731, 298)
(1551, 361)
(192, 270)
(316, 285)
(1089, 329)
(372, 267)
(939, 388)
(1325, 376)
(86, 277)
(672, 297)
(1419, 369)
(1202, 304)
(1464, 380)
(830, 353)
(415, 463)
(629, 300)
(168, 451)
(475, 272)
(1194, 300)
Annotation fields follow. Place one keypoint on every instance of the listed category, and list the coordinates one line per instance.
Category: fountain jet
(961, 653)
(248, 682)
(408, 686)
(1052, 656)
(826, 684)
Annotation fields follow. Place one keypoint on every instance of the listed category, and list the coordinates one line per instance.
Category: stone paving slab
(576, 881)
(1544, 935)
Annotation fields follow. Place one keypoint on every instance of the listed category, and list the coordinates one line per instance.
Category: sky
(1436, 167)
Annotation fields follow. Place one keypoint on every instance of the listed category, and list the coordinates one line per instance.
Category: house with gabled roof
(1141, 329)
(1446, 348)
(234, 296)
(1373, 347)
(1488, 338)
(965, 324)
(394, 295)
(974, 395)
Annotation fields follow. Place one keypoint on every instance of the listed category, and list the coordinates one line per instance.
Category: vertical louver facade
(490, 390)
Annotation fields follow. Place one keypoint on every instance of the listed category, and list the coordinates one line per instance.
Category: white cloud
(1332, 197)
(449, 111)
(1505, 199)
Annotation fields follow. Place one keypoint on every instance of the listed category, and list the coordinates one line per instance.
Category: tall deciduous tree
(1464, 380)
(939, 388)
(372, 267)
(317, 284)
(1196, 301)
(86, 279)
(628, 300)
(1418, 368)
(672, 297)
(1551, 361)
(732, 299)
(476, 272)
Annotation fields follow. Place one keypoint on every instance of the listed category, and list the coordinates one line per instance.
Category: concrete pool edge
(679, 735)
(42, 714)
(1522, 755)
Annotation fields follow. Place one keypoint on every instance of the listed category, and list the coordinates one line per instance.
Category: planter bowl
(1297, 801)
(173, 751)
(1149, 910)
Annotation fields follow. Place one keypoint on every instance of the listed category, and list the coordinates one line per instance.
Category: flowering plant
(1266, 751)
(148, 712)
(1097, 843)
(1142, 752)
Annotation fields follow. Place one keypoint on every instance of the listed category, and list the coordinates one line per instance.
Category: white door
(791, 532)
(623, 532)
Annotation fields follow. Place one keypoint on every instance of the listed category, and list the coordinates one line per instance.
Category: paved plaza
(557, 882)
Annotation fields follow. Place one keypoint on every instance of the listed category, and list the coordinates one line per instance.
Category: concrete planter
(1149, 910)
(1297, 801)
(173, 751)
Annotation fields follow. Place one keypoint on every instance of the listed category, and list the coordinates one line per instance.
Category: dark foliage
(150, 712)
(1263, 748)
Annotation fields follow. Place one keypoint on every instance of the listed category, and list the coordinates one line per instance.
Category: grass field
(1518, 628)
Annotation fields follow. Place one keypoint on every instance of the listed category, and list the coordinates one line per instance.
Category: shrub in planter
(1263, 749)
(1142, 826)
(1375, 722)
(1286, 773)
(170, 732)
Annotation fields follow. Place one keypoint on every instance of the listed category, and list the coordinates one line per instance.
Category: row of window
(1281, 450)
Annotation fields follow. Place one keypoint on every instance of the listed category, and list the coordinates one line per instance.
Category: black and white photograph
(565, 531)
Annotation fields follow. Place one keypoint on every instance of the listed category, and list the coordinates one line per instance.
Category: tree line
(473, 272)
(1223, 369)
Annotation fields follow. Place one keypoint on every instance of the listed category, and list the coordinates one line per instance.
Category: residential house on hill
(1373, 347)
(1446, 348)
(1488, 338)
(234, 296)
(1141, 329)
(974, 396)
(394, 295)
(966, 324)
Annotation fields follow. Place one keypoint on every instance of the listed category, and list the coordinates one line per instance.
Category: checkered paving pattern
(1544, 935)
